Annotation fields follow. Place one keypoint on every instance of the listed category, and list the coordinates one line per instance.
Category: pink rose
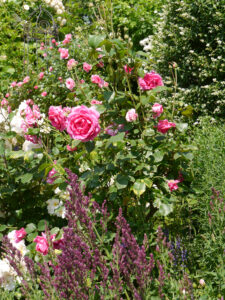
(173, 184)
(70, 84)
(50, 47)
(82, 123)
(64, 53)
(163, 126)
(19, 84)
(157, 110)
(50, 69)
(20, 235)
(44, 54)
(35, 87)
(44, 94)
(7, 95)
(13, 84)
(42, 48)
(67, 39)
(150, 81)
(71, 149)
(100, 64)
(127, 69)
(32, 138)
(57, 117)
(93, 102)
(131, 115)
(30, 102)
(51, 176)
(82, 81)
(71, 64)
(87, 68)
(60, 79)
(9, 109)
(111, 129)
(53, 41)
(41, 75)
(42, 244)
(4, 102)
(42, 44)
(26, 79)
(99, 81)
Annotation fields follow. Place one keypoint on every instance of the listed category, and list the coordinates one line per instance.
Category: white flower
(3, 115)
(57, 191)
(61, 212)
(16, 123)
(26, 7)
(52, 205)
(63, 22)
(7, 275)
(28, 146)
(59, 11)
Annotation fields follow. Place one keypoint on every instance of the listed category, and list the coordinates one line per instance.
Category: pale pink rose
(86, 67)
(173, 184)
(35, 87)
(99, 81)
(150, 81)
(64, 53)
(42, 244)
(42, 44)
(13, 84)
(71, 149)
(4, 102)
(202, 282)
(71, 63)
(83, 124)
(19, 84)
(100, 56)
(131, 115)
(42, 48)
(9, 109)
(44, 54)
(50, 69)
(99, 49)
(70, 84)
(127, 69)
(41, 75)
(164, 125)
(93, 102)
(44, 94)
(20, 235)
(67, 39)
(26, 79)
(57, 117)
(7, 95)
(157, 110)
(29, 118)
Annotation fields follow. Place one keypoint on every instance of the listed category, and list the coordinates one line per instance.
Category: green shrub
(191, 33)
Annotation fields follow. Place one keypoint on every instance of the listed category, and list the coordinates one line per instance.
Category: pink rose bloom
(30, 102)
(100, 64)
(44, 94)
(127, 69)
(64, 53)
(42, 44)
(57, 117)
(99, 49)
(60, 79)
(4, 102)
(70, 84)
(56, 44)
(163, 126)
(19, 84)
(7, 95)
(44, 54)
(51, 176)
(173, 184)
(42, 48)
(93, 102)
(82, 81)
(50, 47)
(71, 63)
(131, 115)
(71, 149)
(99, 81)
(29, 118)
(41, 75)
(82, 123)
(13, 84)
(67, 39)
(87, 68)
(26, 79)
(9, 109)
(35, 87)
(150, 81)
(53, 41)
(157, 110)
(32, 138)
(50, 69)
(42, 244)
(100, 56)
(112, 129)
(20, 235)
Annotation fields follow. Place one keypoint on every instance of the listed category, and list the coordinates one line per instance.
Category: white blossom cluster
(57, 5)
(55, 205)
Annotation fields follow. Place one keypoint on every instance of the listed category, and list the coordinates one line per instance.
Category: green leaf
(3, 227)
(109, 96)
(158, 155)
(54, 230)
(32, 236)
(181, 126)
(30, 227)
(148, 182)
(188, 155)
(90, 146)
(75, 143)
(117, 138)
(42, 224)
(2, 147)
(139, 187)
(33, 131)
(188, 112)
(144, 100)
(165, 209)
(16, 154)
(26, 177)
(100, 108)
(122, 181)
(95, 40)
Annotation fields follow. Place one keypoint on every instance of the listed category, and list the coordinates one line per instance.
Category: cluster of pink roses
(81, 123)
(99, 81)
(67, 39)
(173, 183)
(42, 244)
(150, 81)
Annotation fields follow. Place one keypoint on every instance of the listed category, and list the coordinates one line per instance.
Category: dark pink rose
(57, 117)
(86, 67)
(42, 244)
(173, 184)
(157, 110)
(164, 125)
(150, 81)
(20, 235)
(82, 123)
